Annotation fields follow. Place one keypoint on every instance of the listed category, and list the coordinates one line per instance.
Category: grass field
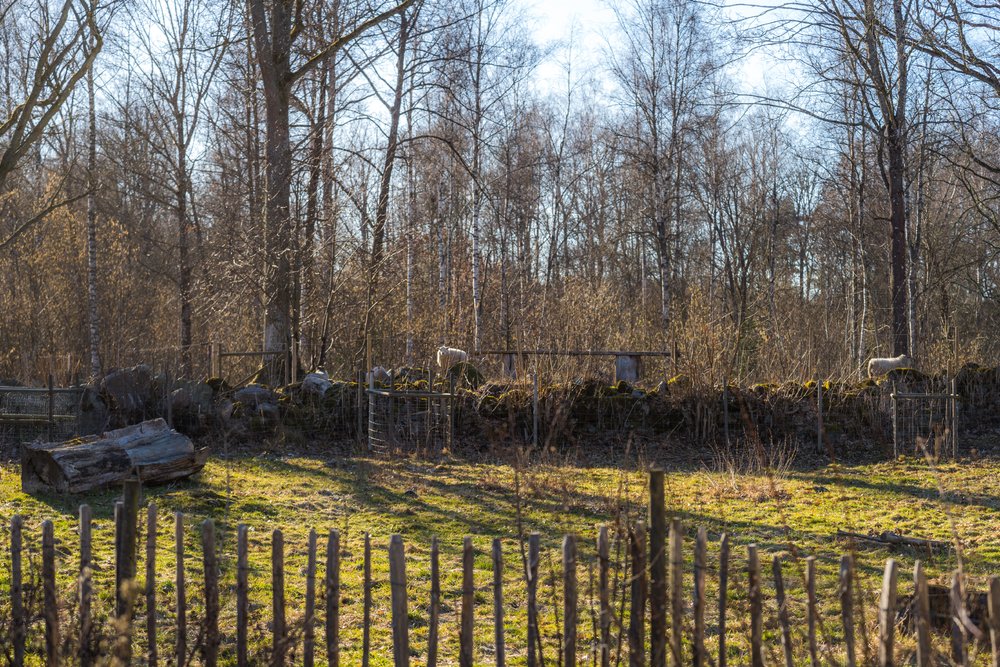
(793, 514)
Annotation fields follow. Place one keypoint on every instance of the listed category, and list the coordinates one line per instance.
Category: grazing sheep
(882, 365)
(377, 375)
(449, 356)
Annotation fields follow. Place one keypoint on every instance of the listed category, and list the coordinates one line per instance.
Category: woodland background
(321, 173)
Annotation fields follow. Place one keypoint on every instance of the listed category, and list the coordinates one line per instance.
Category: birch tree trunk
(93, 313)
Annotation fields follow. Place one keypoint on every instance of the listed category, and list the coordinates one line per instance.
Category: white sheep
(447, 357)
(882, 365)
(377, 375)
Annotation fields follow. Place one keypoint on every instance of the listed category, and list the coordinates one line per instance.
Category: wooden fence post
(604, 593)
(994, 618)
(309, 634)
(756, 608)
(923, 618)
(700, 557)
(278, 647)
(465, 636)
(85, 588)
(676, 590)
(811, 610)
(847, 607)
(637, 597)
(887, 615)
(400, 619)
(657, 571)
(333, 599)
(498, 633)
(723, 595)
(242, 594)
(570, 599)
(18, 621)
(366, 641)
(151, 652)
(50, 606)
(210, 647)
(180, 643)
(959, 654)
(783, 624)
(432, 626)
(126, 568)
(534, 411)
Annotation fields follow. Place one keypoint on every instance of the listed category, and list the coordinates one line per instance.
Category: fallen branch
(888, 537)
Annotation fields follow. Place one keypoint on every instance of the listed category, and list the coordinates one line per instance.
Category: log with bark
(151, 451)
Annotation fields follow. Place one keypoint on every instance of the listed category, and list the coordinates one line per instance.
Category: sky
(586, 26)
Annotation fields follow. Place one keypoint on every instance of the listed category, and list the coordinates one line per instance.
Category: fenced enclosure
(925, 423)
(30, 413)
(413, 418)
(637, 594)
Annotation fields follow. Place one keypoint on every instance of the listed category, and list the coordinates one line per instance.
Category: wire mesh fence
(411, 418)
(32, 413)
(925, 423)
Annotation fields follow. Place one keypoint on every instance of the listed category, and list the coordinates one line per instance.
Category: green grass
(793, 515)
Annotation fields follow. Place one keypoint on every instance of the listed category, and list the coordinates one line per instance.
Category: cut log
(151, 451)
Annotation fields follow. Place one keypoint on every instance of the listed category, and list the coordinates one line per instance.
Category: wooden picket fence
(664, 625)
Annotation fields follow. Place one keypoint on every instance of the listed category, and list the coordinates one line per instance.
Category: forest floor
(791, 513)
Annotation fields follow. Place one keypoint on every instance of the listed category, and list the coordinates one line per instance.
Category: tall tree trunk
(92, 303)
(184, 252)
(385, 183)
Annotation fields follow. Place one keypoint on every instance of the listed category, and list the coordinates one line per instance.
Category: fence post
(49, 595)
(779, 594)
(127, 543)
(85, 585)
(895, 422)
(180, 643)
(151, 653)
(397, 584)
(847, 606)
(959, 654)
(432, 626)
(604, 593)
(887, 615)
(534, 410)
(723, 595)
(278, 598)
(819, 413)
(570, 599)
(366, 644)
(676, 589)
(210, 648)
(465, 636)
(657, 570)
(333, 599)
(498, 632)
(994, 618)
(954, 419)
(700, 551)
(215, 360)
(242, 590)
(308, 648)
(756, 608)
(17, 590)
(637, 611)
(533, 557)
(811, 610)
(922, 606)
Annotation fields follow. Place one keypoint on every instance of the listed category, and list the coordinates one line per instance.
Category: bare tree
(276, 26)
